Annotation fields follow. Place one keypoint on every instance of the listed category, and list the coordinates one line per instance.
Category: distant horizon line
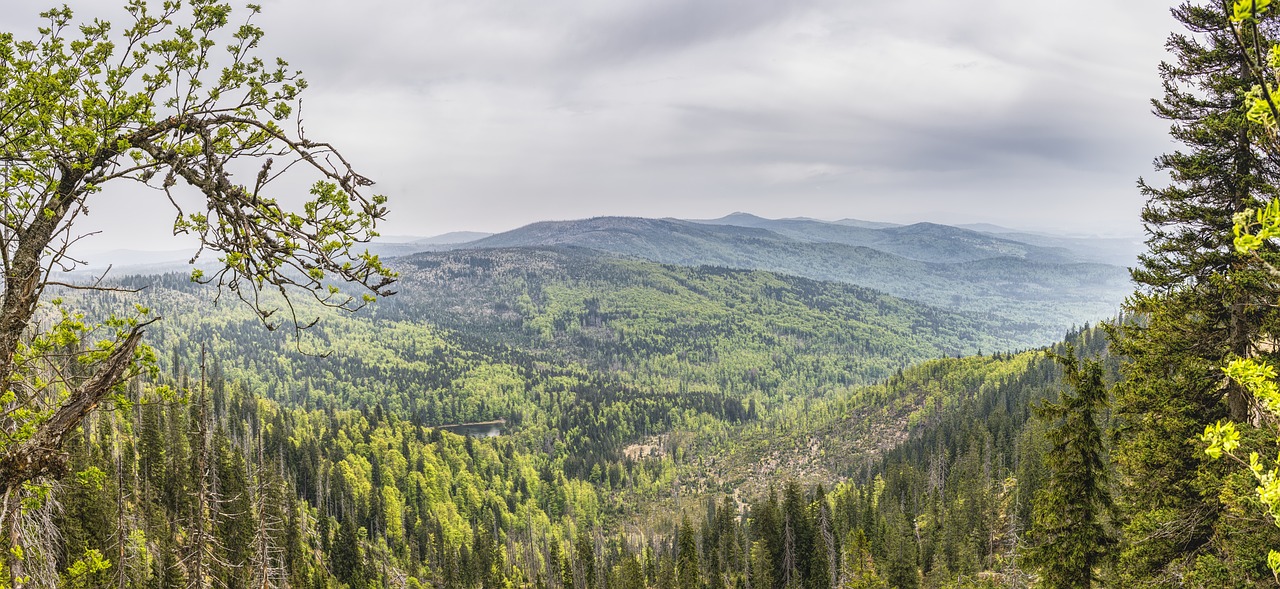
(403, 238)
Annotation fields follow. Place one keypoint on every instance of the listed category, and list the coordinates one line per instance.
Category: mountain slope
(1120, 251)
(1043, 298)
(753, 333)
(633, 392)
(389, 248)
(927, 242)
(477, 335)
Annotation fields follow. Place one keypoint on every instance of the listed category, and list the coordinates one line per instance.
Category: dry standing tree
(175, 100)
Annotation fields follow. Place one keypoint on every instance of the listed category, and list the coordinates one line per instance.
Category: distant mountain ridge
(926, 242)
(452, 237)
(1040, 289)
(138, 262)
(1119, 251)
(405, 246)
(1043, 283)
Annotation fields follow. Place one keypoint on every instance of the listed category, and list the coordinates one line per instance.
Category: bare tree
(829, 542)
(176, 100)
(788, 552)
(197, 558)
(267, 562)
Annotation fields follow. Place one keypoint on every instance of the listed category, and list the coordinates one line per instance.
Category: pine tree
(566, 569)
(1198, 305)
(1069, 533)
(266, 564)
(555, 575)
(666, 572)
(233, 522)
(798, 545)
(1192, 261)
(823, 567)
(789, 576)
(631, 575)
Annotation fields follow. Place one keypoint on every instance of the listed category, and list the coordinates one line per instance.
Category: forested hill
(324, 468)
(936, 242)
(925, 242)
(627, 394)
(468, 333)
(943, 266)
(930, 476)
(616, 311)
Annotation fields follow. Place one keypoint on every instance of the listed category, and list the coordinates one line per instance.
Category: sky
(486, 115)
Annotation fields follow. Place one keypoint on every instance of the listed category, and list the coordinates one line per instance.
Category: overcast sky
(490, 114)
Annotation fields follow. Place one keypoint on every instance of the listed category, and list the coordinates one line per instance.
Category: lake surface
(483, 429)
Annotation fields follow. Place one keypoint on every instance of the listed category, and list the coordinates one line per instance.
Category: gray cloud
(488, 114)
(641, 30)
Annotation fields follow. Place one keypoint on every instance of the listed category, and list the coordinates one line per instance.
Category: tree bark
(41, 454)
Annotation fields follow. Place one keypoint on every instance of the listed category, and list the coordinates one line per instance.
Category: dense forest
(1034, 290)
(250, 490)
(622, 403)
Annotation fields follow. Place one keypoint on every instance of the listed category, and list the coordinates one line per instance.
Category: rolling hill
(1043, 297)
(926, 242)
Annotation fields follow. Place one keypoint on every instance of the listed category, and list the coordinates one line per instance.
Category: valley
(478, 319)
(599, 392)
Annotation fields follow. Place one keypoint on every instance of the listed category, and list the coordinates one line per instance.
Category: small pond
(479, 429)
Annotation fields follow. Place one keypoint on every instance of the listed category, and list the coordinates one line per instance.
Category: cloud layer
(488, 114)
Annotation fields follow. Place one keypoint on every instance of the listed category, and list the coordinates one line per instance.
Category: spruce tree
(761, 566)
(798, 545)
(345, 560)
(858, 568)
(767, 526)
(585, 555)
(631, 574)
(687, 557)
(1069, 532)
(902, 569)
(1198, 305)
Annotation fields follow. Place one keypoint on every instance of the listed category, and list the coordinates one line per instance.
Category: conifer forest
(614, 402)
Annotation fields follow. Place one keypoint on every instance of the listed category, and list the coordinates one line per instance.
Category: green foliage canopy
(176, 100)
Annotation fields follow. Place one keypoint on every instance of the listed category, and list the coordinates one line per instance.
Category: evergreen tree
(631, 576)
(761, 566)
(858, 569)
(585, 557)
(555, 574)
(346, 552)
(1198, 305)
(1069, 532)
(798, 542)
(767, 526)
(823, 564)
(566, 569)
(901, 563)
(666, 572)
(687, 557)
(488, 559)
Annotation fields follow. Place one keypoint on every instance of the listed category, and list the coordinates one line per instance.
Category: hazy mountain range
(1033, 282)
(1027, 288)
(930, 242)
